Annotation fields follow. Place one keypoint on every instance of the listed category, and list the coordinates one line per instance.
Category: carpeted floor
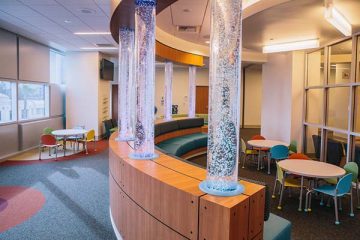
(316, 225)
(77, 199)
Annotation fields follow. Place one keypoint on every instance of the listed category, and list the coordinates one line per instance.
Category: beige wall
(180, 86)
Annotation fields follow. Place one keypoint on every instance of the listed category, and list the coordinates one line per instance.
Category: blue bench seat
(181, 145)
(277, 228)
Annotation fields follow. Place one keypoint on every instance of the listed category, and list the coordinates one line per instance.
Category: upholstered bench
(277, 228)
(181, 145)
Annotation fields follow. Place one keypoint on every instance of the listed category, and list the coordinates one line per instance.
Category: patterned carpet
(76, 198)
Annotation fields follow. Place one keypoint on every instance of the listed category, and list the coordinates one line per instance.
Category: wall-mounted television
(106, 70)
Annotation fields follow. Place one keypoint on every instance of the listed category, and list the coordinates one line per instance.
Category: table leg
(268, 160)
(301, 192)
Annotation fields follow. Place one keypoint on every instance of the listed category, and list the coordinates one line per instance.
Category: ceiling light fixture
(291, 46)
(87, 10)
(92, 33)
(333, 16)
(67, 21)
(207, 42)
(99, 48)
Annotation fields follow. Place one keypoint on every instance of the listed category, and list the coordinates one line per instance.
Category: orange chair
(48, 141)
(257, 137)
(299, 156)
(90, 137)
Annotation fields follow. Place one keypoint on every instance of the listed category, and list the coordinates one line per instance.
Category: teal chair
(343, 187)
(353, 168)
(279, 152)
(293, 147)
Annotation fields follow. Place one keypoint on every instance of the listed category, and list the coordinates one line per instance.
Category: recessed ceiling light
(92, 33)
(207, 42)
(291, 46)
(186, 10)
(87, 10)
(99, 48)
(67, 21)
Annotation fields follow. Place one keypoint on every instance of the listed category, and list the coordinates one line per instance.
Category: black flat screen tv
(106, 70)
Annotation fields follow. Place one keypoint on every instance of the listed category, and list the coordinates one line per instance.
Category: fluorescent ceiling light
(92, 33)
(291, 46)
(333, 16)
(99, 48)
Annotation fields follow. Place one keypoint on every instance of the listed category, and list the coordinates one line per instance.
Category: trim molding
(116, 231)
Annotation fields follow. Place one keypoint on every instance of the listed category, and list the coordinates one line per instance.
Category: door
(202, 99)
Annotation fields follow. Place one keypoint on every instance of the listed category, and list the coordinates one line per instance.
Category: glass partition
(340, 62)
(315, 68)
(312, 142)
(356, 150)
(338, 107)
(336, 148)
(314, 103)
(357, 110)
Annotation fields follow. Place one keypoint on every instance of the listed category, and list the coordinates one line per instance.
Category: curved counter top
(160, 199)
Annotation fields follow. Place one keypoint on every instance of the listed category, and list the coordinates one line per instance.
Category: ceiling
(287, 22)
(53, 22)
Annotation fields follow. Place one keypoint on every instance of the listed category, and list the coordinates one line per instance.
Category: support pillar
(145, 79)
(168, 91)
(224, 99)
(192, 90)
(126, 89)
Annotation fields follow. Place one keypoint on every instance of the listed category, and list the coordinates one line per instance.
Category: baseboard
(116, 231)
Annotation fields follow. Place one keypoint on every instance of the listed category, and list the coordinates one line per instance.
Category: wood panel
(177, 133)
(135, 223)
(194, 152)
(172, 54)
(224, 217)
(202, 99)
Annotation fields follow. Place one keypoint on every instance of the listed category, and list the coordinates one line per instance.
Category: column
(126, 89)
(144, 79)
(224, 99)
(168, 91)
(192, 90)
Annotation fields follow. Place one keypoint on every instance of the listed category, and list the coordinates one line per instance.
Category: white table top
(69, 132)
(266, 143)
(310, 168)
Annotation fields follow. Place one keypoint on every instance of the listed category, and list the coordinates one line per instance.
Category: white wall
(282, 102)
(253, 96)
(82, 89)
(179, 88)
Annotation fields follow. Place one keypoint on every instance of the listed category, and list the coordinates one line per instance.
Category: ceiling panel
(188, 12)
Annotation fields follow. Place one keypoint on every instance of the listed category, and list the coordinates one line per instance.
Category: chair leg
(336, 211)
(309, 205)
(49, 151)
(274, 191)
(86, 148)
(340, 204)
(40, 150)
(56, 151)
(281, 194)
(244, 157)
(322, 200)
(357, 194)
(351, 204)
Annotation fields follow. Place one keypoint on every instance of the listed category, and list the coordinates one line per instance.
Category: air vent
(106, 45)
(188, 29)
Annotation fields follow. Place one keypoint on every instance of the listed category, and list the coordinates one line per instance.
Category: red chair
(257, 137)
(48, 141)
(299, 156)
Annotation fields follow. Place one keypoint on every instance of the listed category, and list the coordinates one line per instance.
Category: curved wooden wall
(161, 199)
(123, 17)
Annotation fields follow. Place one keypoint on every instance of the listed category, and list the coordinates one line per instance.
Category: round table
(266, 144)
(309, 168)
(65, 133)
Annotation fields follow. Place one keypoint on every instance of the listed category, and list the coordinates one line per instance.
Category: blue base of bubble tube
(143, 156)
(239, 189)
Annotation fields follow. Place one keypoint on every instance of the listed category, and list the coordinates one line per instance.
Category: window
(340, 62)
(314, 103)
(313, 142)
(33, 101)
(315, 68)
(7, 101)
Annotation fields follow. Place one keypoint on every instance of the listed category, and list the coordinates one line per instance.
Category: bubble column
(168, 91)
(144, 79)
(192, 91)
(224, 99)
(126, 88)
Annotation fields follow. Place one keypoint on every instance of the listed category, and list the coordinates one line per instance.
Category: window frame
(15, 99)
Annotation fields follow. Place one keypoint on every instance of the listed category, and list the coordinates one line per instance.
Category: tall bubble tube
(192, 91)
(126, 89)
(144, 79)
(224, 112)
(168, 91)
